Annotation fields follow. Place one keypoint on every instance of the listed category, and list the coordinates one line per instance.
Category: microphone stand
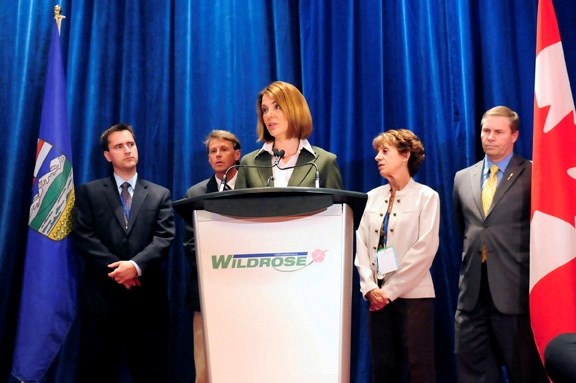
(316, 180)
(278, 154)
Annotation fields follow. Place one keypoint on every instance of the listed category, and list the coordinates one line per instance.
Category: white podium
(275, 275)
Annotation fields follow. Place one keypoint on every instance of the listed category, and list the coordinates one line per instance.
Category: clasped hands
(378, 299)
(125, 274)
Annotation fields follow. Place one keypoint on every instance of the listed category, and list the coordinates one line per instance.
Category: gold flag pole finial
(58, 17)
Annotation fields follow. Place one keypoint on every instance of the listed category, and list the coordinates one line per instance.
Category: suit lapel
(263, 159)
(113, 197)
(140, 194)
(212, 185)
(475, 184)
(300, 173)
(513, 171)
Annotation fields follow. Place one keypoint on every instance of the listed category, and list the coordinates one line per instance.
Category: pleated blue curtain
(223, 54)
(177, 69)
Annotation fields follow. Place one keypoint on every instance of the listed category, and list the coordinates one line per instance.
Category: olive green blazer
(304, 176)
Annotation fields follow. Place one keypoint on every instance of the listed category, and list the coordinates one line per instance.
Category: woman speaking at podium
(286, 158)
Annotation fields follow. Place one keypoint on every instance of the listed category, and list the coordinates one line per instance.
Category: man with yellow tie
(492, 206)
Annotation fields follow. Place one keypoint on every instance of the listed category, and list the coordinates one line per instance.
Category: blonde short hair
(503, 111)
(222, 134)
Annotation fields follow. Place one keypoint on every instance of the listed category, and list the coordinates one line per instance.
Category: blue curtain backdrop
(177, 69)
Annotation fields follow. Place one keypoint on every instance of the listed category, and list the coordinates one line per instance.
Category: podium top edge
(271, 192)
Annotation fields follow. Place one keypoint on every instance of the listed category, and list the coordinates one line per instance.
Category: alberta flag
(48, 301)
(553, 234)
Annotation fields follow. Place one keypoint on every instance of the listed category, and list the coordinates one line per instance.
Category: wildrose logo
(283, 262)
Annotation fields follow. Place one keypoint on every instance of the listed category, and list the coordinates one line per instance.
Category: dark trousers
(130, 341)
(486, 339)
(402, 341)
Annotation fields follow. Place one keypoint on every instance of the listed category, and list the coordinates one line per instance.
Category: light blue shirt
(131, 181)
(502, 165)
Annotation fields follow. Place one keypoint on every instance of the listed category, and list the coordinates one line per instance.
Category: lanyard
(384, 231)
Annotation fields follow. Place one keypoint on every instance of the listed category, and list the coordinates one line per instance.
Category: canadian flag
(553, 233)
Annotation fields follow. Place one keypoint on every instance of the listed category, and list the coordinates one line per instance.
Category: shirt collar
(502, 165)
(132, 181)
(304, 144)
(231, 182)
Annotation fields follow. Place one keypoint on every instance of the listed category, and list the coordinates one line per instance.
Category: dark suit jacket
(330, 176)
(102, 238)
(505, 231)
(209, 185)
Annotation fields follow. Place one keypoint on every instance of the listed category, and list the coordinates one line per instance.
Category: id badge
(387, 261)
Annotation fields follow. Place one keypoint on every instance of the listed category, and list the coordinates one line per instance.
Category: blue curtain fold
(177, 69)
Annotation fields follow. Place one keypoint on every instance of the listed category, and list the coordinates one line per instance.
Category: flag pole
(50, 272)
(58, 17)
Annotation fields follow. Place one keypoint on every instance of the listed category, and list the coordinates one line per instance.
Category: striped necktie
(127, 199)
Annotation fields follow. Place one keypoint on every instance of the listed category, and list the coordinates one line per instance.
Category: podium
(275, 280)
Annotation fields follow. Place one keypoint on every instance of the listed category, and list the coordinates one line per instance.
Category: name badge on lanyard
(386, 258)
(387, 261)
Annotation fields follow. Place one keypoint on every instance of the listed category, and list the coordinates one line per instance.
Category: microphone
(317, 179)
(278, 154)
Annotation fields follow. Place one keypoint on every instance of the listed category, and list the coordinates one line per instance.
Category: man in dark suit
(124, 228)
(223, 150)
(492, 317)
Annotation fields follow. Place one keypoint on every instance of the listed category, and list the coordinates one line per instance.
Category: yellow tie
(487, 197)
(489, 189)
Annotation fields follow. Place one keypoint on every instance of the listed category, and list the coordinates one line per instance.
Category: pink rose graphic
(318, 255)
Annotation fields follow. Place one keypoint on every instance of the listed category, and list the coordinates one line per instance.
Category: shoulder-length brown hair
(294, 107)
